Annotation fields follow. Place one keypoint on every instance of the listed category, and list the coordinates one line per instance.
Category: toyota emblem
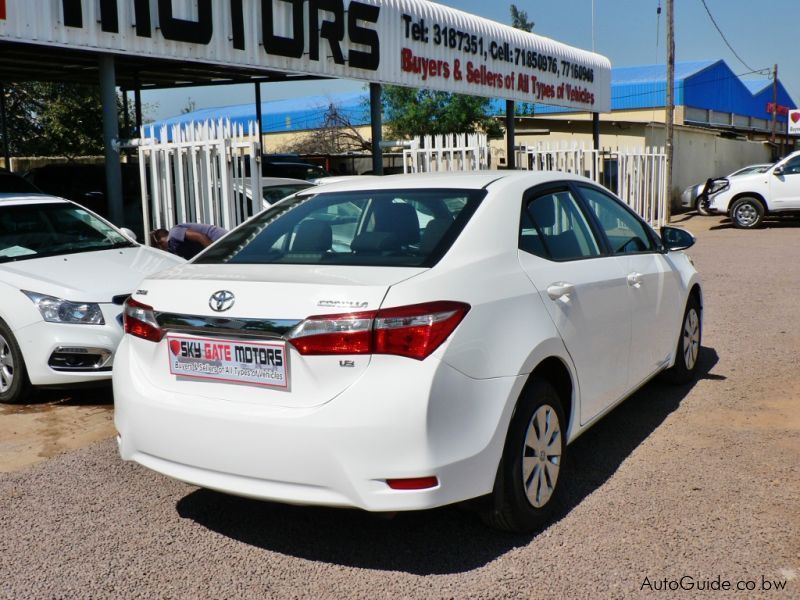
(221, 301)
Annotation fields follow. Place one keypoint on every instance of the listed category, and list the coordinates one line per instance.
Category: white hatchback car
(64, 276)
(333, 350)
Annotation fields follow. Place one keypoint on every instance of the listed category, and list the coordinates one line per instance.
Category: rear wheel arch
(527, 483)
(556, 373)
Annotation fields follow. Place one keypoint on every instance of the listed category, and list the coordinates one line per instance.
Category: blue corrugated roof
(649, 74)
(709, 85)
(293, 114)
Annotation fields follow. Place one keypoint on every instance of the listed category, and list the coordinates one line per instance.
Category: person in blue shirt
(187, 239)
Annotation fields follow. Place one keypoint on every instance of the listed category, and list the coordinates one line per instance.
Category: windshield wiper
(125, 244)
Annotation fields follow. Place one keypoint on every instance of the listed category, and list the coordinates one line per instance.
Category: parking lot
(686, 485)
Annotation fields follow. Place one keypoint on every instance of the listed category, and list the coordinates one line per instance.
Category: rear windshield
(403, 228)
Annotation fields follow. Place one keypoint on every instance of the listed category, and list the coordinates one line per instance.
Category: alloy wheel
(691, 338)
(746, 214)
(541, 458)
(6, 366)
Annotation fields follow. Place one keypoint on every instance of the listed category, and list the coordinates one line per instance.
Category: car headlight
(717, 186)
(56, 310)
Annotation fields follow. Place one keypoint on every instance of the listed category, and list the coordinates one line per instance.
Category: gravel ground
(699, 481)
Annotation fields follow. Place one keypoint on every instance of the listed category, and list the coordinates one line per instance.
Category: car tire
(688, 351)
(747, 213)
(14, 384)
(702, 206)
(527, 486)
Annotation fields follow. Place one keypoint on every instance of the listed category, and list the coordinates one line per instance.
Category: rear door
(585, 292)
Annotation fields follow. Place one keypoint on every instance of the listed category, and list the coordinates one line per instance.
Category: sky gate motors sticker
(253, 363)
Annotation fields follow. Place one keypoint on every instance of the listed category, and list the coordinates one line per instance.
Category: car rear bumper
(401, 419)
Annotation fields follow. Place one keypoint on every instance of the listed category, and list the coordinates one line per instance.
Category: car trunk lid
(225, 317)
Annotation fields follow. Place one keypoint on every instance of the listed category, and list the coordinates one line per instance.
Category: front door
(784, 189)
(654, 287)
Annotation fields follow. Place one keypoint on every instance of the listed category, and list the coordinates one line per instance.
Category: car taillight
(414, 331)
(334, 334)
(139, 320)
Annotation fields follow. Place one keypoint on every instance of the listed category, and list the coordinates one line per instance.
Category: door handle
(560, 289)
(635, 279)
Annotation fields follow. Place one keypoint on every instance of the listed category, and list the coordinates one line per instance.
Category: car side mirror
(676, 239)
(128, 233)
(777, 171)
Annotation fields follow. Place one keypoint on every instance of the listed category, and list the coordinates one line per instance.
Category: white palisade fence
(453, 152)
(638, 176)
(199, 172)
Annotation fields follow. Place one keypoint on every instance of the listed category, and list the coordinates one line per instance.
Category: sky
(628, 32)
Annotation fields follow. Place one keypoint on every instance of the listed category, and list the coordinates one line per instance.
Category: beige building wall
(277, 142)
(699, 153)
(639, 115)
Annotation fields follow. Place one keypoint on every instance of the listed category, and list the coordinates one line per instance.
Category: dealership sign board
(403, 42)
(794, 122)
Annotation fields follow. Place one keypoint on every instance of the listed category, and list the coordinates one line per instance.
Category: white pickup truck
(747, 199)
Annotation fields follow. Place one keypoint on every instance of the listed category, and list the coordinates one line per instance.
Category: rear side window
(554, 227)
(409, 228)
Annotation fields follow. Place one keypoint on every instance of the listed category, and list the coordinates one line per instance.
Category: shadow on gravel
(769, 223)
(44, 400)
(441, 541)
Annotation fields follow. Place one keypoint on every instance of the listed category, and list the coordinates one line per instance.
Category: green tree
(519, 19)
(55, 119)
(411, 112)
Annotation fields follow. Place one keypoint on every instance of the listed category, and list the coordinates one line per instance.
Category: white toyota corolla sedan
(64, 276)
(405, 342)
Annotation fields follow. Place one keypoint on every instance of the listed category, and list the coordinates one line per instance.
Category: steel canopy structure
(149, 44)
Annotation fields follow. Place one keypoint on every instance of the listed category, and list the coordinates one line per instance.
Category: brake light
(139, 320)
(414, 331)
(334, 334)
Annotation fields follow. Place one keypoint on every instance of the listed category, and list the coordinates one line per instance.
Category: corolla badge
(221, 301)
(342, 304)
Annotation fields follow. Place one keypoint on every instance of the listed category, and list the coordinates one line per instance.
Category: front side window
(554, 227)
(792, 167)
(51, 229)
(412, 228)
(625, 232)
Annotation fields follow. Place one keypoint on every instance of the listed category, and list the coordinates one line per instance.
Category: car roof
(283, 181)
(462, 180)
(16, 199)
